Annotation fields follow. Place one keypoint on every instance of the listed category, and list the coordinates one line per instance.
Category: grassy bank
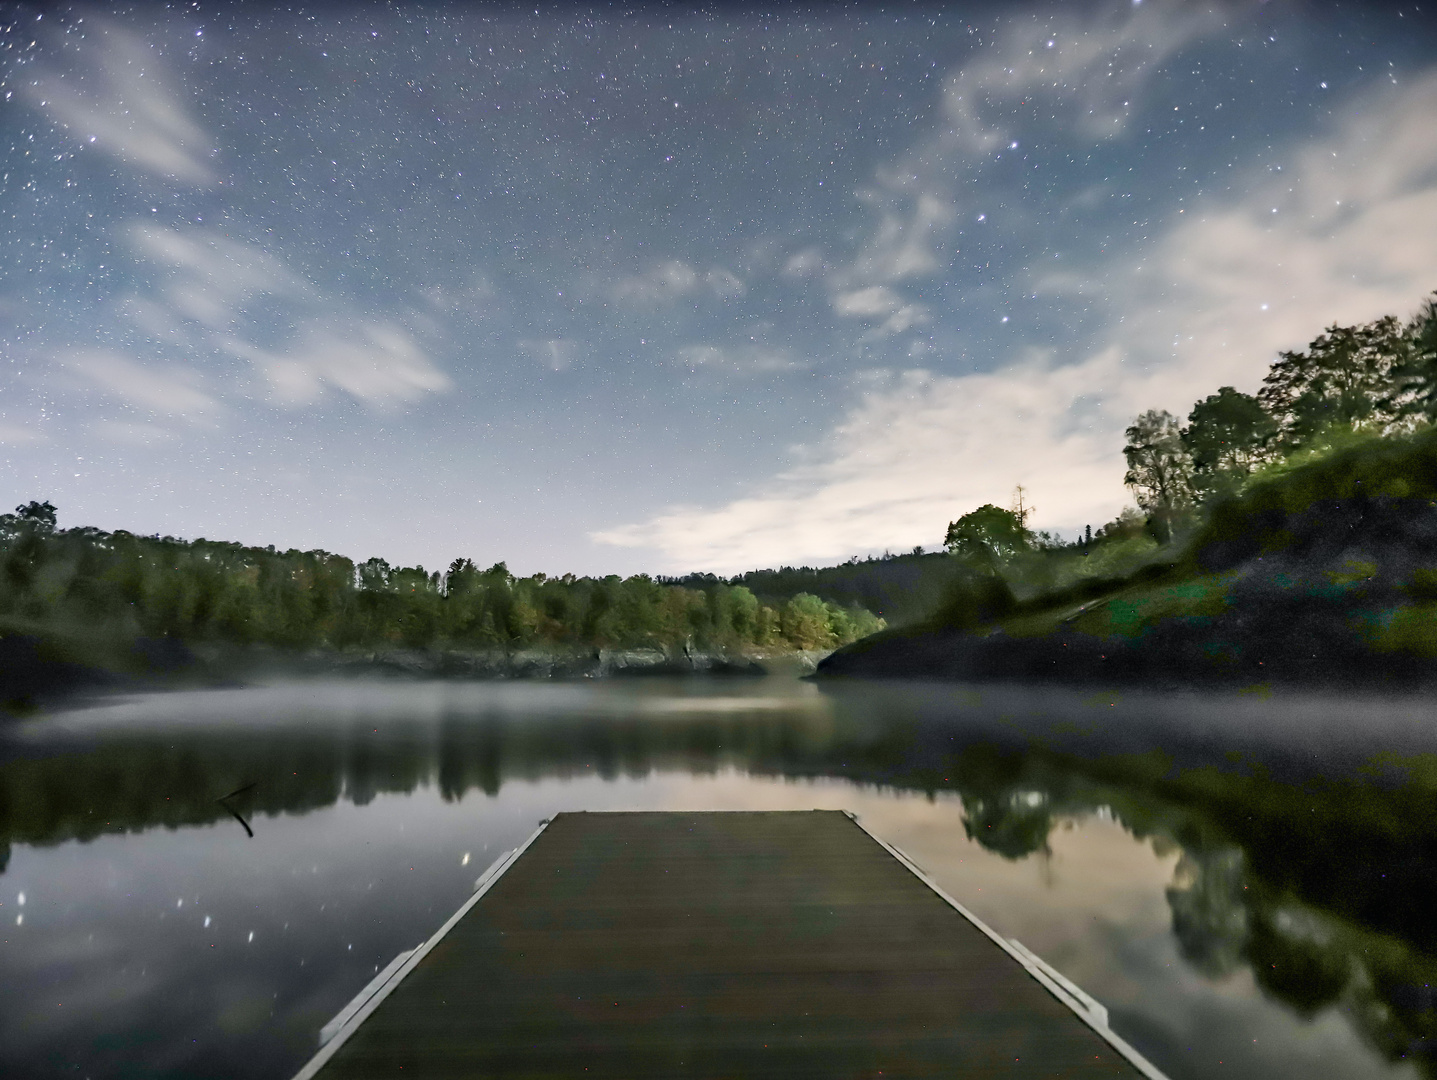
(1326, 572)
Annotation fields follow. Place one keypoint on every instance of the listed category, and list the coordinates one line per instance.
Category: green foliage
(1414, 377)
(898, 588)
(1344, 379)
(1160, 469)
(1370, 466)
(1351, 384)
(1226, 435)
(973, 598)
(987, 537)
(125, 587)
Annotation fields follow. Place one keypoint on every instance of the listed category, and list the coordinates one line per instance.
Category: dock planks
(737, 944)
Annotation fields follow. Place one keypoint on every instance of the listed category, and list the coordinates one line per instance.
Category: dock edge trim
(1078, 1003)
(485, 883)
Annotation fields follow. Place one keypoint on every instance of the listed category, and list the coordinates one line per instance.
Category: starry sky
(642, 288)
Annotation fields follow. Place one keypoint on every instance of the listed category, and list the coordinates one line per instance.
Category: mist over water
(1167, 852)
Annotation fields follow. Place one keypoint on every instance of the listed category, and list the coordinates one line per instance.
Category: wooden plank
(718, 944)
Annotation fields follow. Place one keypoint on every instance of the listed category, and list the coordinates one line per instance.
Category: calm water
(1245, 881)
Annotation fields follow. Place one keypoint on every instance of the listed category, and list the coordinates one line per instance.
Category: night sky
(623, 289)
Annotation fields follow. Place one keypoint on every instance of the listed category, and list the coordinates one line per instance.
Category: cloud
(166, 390)
(224, 296)
(878, 301)
(378, 364)
(1351, 239)
(556, 354)
(1083, 73)
(672, 279)
(914, 453)
(663, 283)
(210, 273)
(1088, 71)
(119, 103)
(866, 303)
(724, 284)
(804, 264)
(751, 359)
(1344, 233)
(21, 435)
(121, 433)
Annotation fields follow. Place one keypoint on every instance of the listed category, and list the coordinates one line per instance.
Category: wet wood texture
(717, 945)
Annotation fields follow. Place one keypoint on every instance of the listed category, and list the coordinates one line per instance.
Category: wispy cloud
(219, 296)
(165, 390)
(109, 89)
(748, 359)
(1088, 71)
(21, 435)
(1084, 74)
(556, 354)
(1345, 233)
(208, 275)
(376, 363)
(673, 279)
(916, 451)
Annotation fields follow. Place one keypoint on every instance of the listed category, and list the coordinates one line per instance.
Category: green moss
(1353, 572)
(1406, 629)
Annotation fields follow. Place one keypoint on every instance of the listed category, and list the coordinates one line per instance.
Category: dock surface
(734, 944)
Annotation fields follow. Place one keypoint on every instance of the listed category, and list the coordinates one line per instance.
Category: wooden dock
(790, 944)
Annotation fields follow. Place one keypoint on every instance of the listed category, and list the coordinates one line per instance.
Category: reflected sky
(157, 939)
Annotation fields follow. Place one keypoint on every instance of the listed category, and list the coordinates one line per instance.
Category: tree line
(898, 586)
(1349, 384)
(213, 591)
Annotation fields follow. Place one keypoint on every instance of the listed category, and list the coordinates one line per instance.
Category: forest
(1353, 392)
(117, 586)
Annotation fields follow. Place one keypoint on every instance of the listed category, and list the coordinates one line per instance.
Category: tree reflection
(1320, 891)
(1209, 915)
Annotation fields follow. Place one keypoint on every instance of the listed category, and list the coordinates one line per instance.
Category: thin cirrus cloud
(674, 279)
(1085, 72)
(1346, 233)
(751, 359)
(556, 354)
(164, 390)
(376, 363)
(20, 435)
(208, 275)
(912, 449)
(113, 95)
(220, 297)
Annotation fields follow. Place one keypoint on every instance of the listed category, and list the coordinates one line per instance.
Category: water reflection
(1285, 846)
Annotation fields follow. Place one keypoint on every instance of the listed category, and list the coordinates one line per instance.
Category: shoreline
(37, 674)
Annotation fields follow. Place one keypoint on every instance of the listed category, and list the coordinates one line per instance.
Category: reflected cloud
(1262, 882)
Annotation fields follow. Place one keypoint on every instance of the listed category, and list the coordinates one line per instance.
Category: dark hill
(1324, 574)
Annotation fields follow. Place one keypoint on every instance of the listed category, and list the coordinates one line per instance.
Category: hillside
(900, 589)
(1323, 574)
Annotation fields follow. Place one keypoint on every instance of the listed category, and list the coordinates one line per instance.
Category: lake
(1245, 880)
